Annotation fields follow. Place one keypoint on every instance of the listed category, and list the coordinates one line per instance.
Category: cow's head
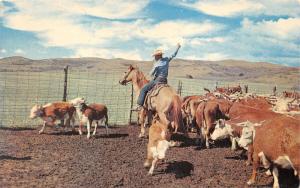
(221, 131)
(77, 101)
(128, 75)
(248, 133)
(36, 111)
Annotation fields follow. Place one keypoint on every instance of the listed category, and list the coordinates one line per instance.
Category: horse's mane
(140, 78)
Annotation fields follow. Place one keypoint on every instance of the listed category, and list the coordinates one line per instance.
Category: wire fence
(19, 91)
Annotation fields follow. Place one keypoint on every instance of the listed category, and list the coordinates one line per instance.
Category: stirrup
(137, 108)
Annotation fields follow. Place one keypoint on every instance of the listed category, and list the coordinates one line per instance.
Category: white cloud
(204, 41)
(230, 8)
(171, 32)
(108, 53)
(19, 51)
(225, 8)
(3, 51)
(287, 29)
(100, 8)
(208, 56)
(214, 56)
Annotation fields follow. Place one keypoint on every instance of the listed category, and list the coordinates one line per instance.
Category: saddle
(153, 93)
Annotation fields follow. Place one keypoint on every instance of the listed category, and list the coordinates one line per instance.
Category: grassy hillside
(227, 70)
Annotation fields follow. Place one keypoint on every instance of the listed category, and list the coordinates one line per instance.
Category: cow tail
(177, 115)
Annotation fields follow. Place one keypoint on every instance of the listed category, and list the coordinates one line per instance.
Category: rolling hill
(227, 70)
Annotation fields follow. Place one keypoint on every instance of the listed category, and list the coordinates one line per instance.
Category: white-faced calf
(90, 113)
(159, 142)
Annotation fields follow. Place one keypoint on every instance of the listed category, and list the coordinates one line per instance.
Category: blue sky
(262, 30)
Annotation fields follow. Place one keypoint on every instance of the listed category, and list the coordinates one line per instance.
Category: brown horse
(166, 104)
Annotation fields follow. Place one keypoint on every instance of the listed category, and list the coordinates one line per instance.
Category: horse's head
(128, 75)
(35, 111)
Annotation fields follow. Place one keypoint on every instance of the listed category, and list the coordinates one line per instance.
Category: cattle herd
(267, 128)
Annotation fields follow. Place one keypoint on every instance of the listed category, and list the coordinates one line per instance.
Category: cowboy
(159, 73)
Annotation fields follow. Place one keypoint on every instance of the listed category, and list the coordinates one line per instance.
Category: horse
(166, 104)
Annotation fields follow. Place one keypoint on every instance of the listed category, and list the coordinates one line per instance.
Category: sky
(252, 30)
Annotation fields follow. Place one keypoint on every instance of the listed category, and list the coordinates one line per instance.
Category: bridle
(124, 81)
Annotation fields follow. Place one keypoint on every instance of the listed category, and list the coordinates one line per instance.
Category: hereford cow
(158, 144)
(207, 114)
(90, 113)
(235, 89)
(52, 112)
(189, 107)
(277, 145)
(294, 95)
(241, 115)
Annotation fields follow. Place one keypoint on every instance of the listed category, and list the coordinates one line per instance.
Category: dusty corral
(57, 159)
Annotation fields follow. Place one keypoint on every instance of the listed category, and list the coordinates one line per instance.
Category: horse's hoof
(88, 136)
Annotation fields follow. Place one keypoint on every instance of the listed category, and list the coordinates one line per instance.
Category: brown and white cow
(88, 114)
(277, 145)
(189, 106)
(52, 112)
(158, 144)
(92, 112)
(207, 114)
(294, 95)
(241, 115)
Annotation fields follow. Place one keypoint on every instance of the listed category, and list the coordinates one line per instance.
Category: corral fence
(19, 91)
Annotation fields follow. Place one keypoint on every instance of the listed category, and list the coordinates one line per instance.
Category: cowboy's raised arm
(175, 53)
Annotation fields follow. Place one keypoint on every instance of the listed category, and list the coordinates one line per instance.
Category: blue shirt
(161, 66)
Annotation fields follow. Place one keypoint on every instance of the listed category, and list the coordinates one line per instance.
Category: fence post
(65, 89)
(65, 83)
(274, 90)
(131, 105)
(179, 87)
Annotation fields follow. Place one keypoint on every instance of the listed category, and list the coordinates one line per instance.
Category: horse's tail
(177, 115)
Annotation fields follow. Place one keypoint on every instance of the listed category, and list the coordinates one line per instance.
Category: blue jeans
(148, 87)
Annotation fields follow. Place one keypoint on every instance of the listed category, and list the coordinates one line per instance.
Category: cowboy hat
(157, 52)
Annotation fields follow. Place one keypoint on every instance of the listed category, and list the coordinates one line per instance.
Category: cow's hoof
(174, 144)
(198, 142)
(41, 132)
(268, 173)
(248, 163)
(250, 182)
(94, 134)
(80, 133)
(141, 135)
(88, 136)
(147, 164)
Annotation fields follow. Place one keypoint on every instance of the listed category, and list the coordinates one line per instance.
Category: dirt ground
(58, 159)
